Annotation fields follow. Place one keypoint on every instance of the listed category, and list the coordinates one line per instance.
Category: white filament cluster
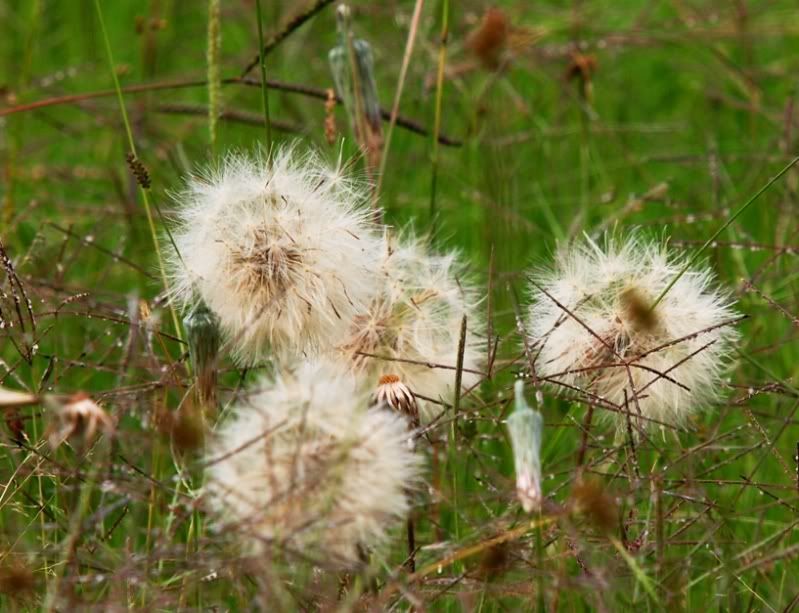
(591, 328)
(307, 467)
(282, 253)
(412, 325)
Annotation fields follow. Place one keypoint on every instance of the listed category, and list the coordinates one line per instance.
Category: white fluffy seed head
(413, 322)
(609, 289)
(284, 256)
(306, 466)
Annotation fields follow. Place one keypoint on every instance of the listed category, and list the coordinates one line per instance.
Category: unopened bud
(352, 65)
(525, 426)
(202, 334)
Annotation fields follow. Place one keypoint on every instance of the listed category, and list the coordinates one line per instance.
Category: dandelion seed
(525, 428)
(308, 467)
(590, 318)
(284, 256)
(412, 326)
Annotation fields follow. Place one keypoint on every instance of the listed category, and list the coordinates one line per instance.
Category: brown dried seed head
(582, 65)
(16, 579)
(490, 38)
(494, 562)
(77, 416)
(139, 171)
(636, 309)
(591, 499)
(393, 392)
(330, 117)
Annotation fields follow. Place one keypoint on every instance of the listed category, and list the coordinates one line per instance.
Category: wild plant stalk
(264, 87)
(359, 118)
(214, 84)
(10, 152)
(723, 227)
(442, 59)
(69, 546)
(406, 60)
(132, 145)
(453, 442)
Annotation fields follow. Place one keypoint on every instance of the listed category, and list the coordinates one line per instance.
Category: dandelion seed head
(307, 466)
(609, 288)
(283, 255)
(413, 323)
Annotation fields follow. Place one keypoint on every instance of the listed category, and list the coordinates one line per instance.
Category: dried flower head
(307, 466)
(592, 327)
(412, 326)
(77, 416)
(590, 498)
(525, 427)
(489, 39)
(393, 393)
(17, 580)
(282, 254)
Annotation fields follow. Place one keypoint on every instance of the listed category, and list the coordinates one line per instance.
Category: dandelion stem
(724, 226)
(132, 146)
(264, 89)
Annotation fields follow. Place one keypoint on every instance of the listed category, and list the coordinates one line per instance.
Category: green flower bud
(525, 427)
(202, 334)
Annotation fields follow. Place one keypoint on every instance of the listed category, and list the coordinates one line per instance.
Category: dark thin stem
(411, 545)
(292, 88)
(459, 376)
(278, 38)
(723, 227)
(264, 87)
(442, 59)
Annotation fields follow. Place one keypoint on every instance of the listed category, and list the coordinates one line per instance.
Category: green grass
(693, 107)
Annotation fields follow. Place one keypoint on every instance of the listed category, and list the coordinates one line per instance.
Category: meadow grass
(664, 116)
